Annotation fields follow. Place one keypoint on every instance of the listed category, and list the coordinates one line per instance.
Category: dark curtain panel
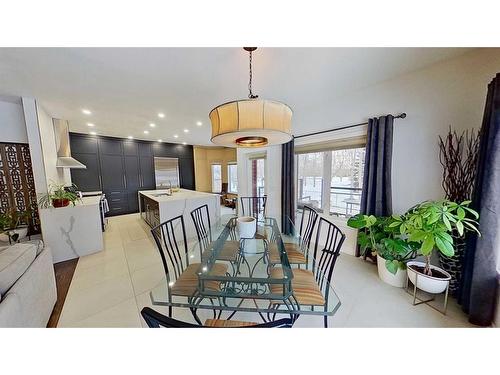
(479, 282)
(287, 187)
(376, 198)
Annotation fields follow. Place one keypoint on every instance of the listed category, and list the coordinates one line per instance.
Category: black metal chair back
(172, 246)
(325, 256)
(203, 226)
(201, 220)
(156, 320)
(306, 229)
(253, 206)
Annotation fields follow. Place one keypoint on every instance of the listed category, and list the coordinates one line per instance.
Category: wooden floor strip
(64, 274)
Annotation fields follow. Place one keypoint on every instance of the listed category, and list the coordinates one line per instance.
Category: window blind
(331, 145)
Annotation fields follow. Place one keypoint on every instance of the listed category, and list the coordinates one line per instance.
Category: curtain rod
(402, 115)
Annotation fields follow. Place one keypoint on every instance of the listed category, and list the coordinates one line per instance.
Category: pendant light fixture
(251, 122)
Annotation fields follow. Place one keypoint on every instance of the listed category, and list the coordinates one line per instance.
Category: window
(346, 181)
(331, 180)
(310, 179)
(216, 178)
(232, 178)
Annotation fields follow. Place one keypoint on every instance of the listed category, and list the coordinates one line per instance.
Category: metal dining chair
(310, 288)
(255, 207)
(156, 320)
(181, 275)
(297, 253)
(201, 220)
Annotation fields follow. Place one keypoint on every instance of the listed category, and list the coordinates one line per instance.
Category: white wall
(35, 143)
(12, 125)
(452, 92)
(40, 132)
(449, 93)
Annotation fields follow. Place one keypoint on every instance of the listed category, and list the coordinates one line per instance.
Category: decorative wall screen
(17, 185)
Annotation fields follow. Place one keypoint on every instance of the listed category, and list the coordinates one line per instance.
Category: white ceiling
(125, 88)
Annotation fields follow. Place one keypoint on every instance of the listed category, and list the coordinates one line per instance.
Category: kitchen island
(157, 206)
(73, 231)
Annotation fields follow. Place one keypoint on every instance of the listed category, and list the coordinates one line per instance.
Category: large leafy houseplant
(431, 224)
(57, 196)
(376, 234)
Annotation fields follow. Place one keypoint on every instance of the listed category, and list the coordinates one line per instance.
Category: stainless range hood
(64, 159)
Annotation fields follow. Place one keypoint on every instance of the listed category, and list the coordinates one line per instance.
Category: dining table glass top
(236, 274)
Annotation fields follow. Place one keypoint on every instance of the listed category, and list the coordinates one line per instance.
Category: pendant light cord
(251, 95)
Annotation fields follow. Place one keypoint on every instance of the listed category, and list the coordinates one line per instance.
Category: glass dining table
(248, 285)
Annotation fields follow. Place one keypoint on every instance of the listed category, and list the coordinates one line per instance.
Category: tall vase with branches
(458, 154)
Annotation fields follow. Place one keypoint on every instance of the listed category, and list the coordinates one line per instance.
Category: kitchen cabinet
(121, 167)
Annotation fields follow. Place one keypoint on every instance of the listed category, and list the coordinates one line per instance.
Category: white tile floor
(111, 287)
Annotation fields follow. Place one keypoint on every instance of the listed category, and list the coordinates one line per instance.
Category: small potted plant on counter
(431, 225)
(393, 250)
(57, 196)
(14, 225)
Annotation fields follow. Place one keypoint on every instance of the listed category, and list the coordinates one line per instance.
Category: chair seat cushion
(14, 261)
(229, 251)
(293, 252)
(220, 323)
(187, 283)
(304, 287)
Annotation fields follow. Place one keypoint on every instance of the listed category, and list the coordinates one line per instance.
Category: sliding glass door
(331, 180)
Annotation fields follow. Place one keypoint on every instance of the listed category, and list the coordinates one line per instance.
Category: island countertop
(156, 207)
(160, 195)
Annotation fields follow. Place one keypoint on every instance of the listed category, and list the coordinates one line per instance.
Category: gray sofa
(27, 285)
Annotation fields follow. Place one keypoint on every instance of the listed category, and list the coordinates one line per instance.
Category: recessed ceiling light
(93, 133)
(161, 115)
(146, 131)
(152, 125)
(130, 137)
(199, 123)
(159, 140)
(186, 130)
(86, 112)
(184, 143)
(90, 124)
(176, 136)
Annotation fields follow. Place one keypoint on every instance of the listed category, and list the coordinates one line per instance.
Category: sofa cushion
(14, 261)
(38, 243)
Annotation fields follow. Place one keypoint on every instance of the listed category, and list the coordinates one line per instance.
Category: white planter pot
(398, 280)
(23, 232)
(429, 284)
(247, 226)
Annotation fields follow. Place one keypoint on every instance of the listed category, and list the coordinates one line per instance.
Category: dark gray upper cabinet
(186, 171)
(145, 149)
(87, 179)
(130, 147)
(113, 173)
(109, 146)
(172, 150)
(81, 143)
(132, 172)
(147, 172)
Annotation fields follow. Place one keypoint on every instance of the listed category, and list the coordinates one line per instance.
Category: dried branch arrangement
(458, 155)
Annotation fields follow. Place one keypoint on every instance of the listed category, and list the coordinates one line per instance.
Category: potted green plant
(393, 250)
(430, 224)
(57, 196)
(14, 225)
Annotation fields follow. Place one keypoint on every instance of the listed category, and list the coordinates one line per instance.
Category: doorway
(258, 167)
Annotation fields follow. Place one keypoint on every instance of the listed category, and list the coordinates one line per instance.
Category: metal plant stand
(426, 301)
